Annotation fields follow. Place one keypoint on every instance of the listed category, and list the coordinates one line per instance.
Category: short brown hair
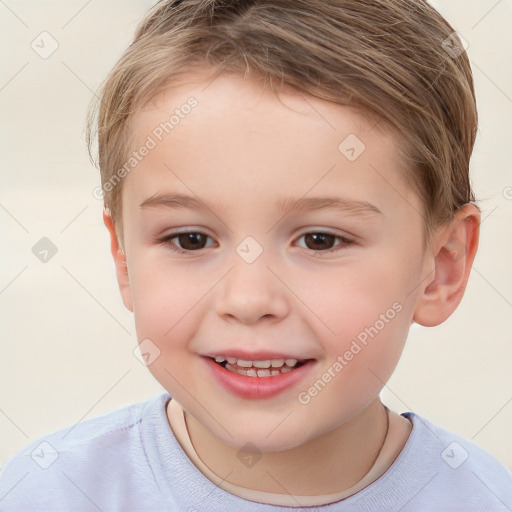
(397, 59)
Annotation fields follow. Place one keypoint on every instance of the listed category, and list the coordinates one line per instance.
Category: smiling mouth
(266, 368)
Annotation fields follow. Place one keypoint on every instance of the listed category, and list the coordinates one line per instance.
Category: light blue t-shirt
(129, 461)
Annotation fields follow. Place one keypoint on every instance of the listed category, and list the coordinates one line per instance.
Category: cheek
(162, 294)
(365, 311)
(165, 322)
(356, 367)
(347, 298)
(165, 312)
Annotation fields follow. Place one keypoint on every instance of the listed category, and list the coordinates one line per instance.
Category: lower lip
(256, 387)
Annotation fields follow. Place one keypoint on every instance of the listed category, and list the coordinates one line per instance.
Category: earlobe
(448, 268)
(119, 261)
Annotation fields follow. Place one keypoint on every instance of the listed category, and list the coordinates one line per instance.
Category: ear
(453, 251)
(119, 261)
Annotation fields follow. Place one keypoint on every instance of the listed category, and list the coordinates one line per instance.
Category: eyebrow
(284, 205)
(351, 206)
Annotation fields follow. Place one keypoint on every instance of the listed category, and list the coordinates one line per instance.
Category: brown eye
(319, 241)
(191, 241)
(324, 242)
(186, 242)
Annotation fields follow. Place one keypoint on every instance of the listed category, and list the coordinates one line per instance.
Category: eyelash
(166, 241)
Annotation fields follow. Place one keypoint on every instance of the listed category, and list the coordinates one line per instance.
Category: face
(295, 237)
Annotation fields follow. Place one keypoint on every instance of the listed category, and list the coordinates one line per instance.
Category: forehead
(229, 135)
(232, 101)
(253, 98)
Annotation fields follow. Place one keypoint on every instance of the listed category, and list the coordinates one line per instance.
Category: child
(266, 129)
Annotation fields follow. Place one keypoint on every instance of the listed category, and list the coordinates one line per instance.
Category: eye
(193, 241)
(189, 241)
(323, 242)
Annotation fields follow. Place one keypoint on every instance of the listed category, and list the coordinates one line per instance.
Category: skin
(240, 151)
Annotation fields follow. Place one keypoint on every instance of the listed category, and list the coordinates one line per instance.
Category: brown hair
(397, 59)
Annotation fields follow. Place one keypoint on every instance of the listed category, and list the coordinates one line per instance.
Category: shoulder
(61, 464)
(451, 471)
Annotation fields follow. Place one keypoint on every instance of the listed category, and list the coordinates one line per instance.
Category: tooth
(276, 363)
(275, 372)
(231, 360)
(261, 364)
(251, 373)
(263, 373)
(291, 362)
(219, 359)
(244, 364)
(284, 370)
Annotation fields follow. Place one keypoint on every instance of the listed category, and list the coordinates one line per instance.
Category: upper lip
(254, 356)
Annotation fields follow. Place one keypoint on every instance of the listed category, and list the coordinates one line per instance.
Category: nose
(251, 292)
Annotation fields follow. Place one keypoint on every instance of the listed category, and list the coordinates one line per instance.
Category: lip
(256, 387)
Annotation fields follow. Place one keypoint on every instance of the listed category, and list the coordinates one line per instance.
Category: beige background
(67, 341)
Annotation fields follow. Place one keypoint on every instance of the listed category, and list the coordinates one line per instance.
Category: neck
(330, 463)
